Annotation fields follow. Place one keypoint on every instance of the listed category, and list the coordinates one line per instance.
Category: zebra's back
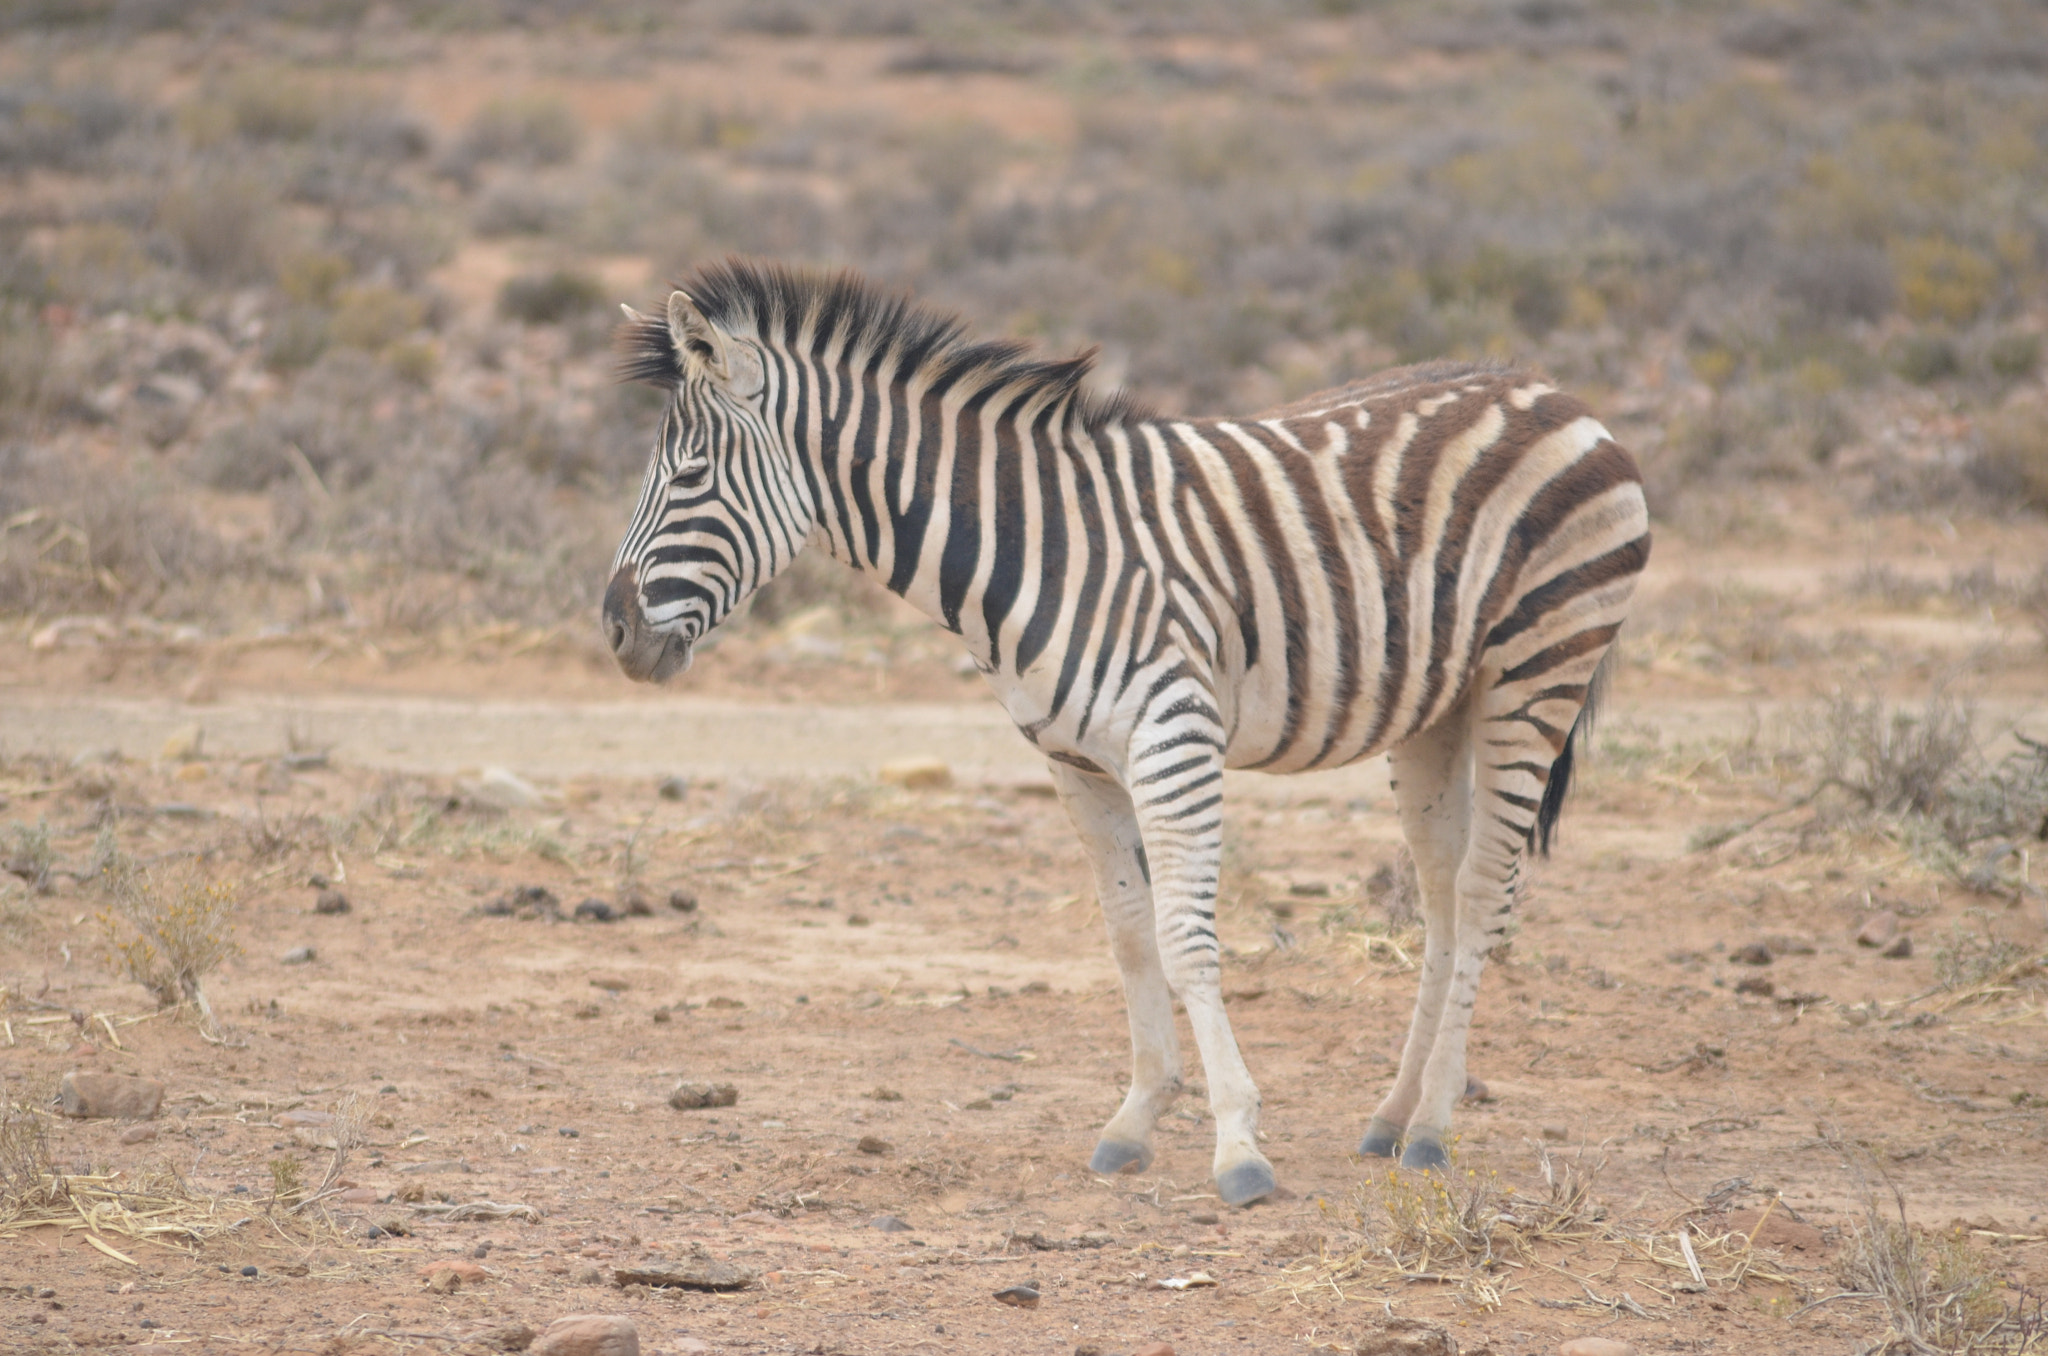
(1377, 547)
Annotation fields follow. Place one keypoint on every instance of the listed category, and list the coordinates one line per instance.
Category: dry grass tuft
(166, 934)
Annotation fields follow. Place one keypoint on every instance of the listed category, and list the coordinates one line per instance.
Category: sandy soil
(943, 945)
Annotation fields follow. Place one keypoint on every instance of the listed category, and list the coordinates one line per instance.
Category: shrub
(2014, 356)
(1939, 279)
(58, 129)
(549, 298)
(1926, 357)
(166, 934)
(2011, 463)
(221, 224)
(373, 315)
(526, 131)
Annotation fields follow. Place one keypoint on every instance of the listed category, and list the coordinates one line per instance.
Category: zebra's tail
(1560, 783)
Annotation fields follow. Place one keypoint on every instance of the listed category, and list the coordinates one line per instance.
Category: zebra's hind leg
(1103, 817)
(1433, 788)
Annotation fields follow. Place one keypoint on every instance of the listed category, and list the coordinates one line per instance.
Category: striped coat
(1430, 562)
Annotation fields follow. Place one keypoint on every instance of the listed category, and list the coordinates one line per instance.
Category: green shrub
(2012, 458)
(524, 131)
(370, 316)
(1926, 357)
(549, 298)
(1939, 279)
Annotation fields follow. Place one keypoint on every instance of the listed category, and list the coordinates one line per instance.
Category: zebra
(1431, 562)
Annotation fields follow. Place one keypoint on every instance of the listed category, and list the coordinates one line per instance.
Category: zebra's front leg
(1102, 816)
(1180, 810)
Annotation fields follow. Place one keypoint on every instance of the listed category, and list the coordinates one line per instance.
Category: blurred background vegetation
(304, 304)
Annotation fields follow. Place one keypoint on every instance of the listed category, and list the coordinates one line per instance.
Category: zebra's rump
(1386, 544)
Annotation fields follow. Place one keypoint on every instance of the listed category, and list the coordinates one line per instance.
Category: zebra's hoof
(1425, 1155)
(1382, 1140)
(1118, 1155)
(1245, 1183)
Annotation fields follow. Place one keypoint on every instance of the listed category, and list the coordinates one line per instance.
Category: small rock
(874, 1144)
(1878, 929)
(298, 955)
(510, 1337)
(691, 1273)
(1789, 944)
(1155, 1349)
(460, 1269)
(1476, 1090)
(1405, 1337)
(1019, 1296)
(634, 904)
(138, 1134)
(183, 744)
(672, 788)
(1756, 984)
(1777, 1230)
(117, 1096)
(858, 920)
(889, 1224)
(1899, 948)
(505, 790)
(589, 1335)
(587, 1275)
(698, 1096)
(1754, 953)
(596, 910)
(1596, 1346)
(331, 902)
(885, 1095)
(1556, 1134)
(917, 774)
(360, 1196)
(689, 1346)
(682, 901)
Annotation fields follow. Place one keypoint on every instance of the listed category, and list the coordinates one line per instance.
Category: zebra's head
(724, 508)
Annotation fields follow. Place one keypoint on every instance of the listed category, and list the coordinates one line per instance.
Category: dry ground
(942, 944)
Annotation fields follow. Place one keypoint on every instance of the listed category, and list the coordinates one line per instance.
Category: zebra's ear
(701, 343)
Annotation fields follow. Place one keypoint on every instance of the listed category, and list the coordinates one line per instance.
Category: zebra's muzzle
(645, 654)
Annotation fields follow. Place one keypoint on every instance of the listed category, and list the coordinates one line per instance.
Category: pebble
(119, 1096)
(138, 1134)
(1018, 1296)
(509, 1337)
(698, 1096)
(330, 902)
(889, 1224)
(464, 1271)
(682, 901)
(1754, 953)
(1476, 1090)
(1596, 1346)
(1878, 929)
(1756, 984)
(587, 1275)
(183, 743)
(1899, 948)
(596, 910)
(1155, 1349)
(634, 904)
(1556, 1134)
(917, 774)
(1405, 1337)
(504, 789)
(874, 1144)
(689, 1346)
(672, 788)
(691, 1273)
(299, 955)
(588, 1335)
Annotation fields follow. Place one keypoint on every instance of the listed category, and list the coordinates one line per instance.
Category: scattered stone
(505, 790)
(682, 901)
(331, 902)
(587, 1275)
(917, 774)
(1555, 1134)
(461, 1270)
(112, 1096)
(1155, 1349)
(1596, 1346)
(1405, 1337)
(858, 920)
(1776, 1229)
(138, 1134)
(889, 1224)
(510, 1337)
(689, 1273)
(589, 1335)
(885, 1095)
(1878, 929)
(1018, 1296)
(527, 902)
(699, 1096)
(1899, 948)
(672, 788)
(596, 910)
(1754, 953)
(1476, 1090)
(298, 955)
(634, 904)
(689, 1346)
(183, 744)
(1756, 984)
(360, 1196)
(874, 1144)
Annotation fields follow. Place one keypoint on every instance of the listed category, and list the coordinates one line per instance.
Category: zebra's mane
(777, 305)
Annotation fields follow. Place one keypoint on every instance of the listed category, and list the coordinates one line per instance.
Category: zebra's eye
(692, 476)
